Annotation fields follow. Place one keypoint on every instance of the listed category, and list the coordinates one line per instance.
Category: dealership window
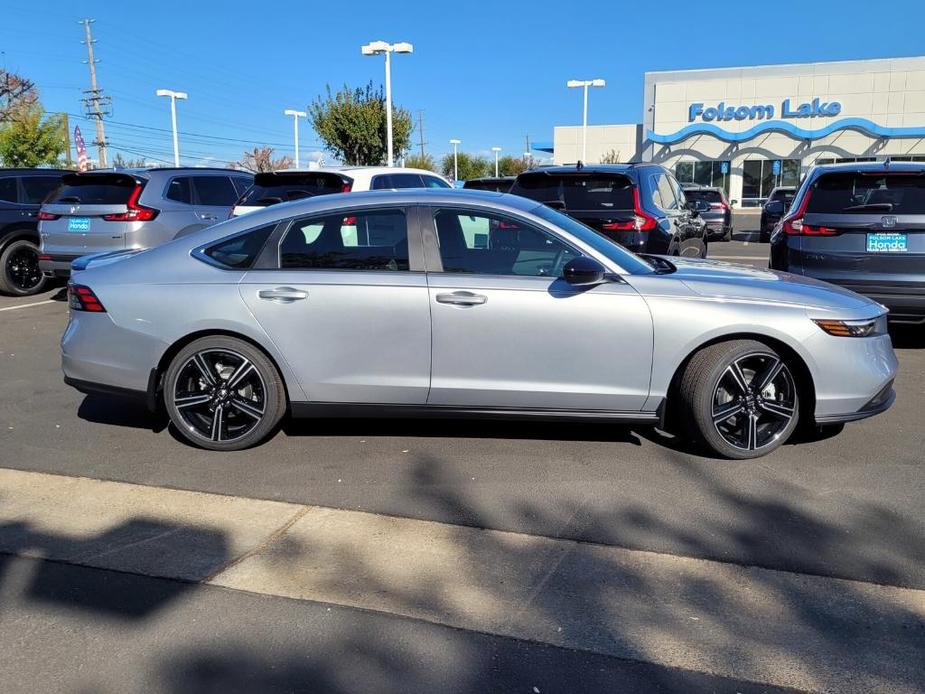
(843, 160)
(703, 173)
(907, 158)
(761, 176)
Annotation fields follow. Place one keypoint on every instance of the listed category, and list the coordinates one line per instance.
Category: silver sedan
(463, 303)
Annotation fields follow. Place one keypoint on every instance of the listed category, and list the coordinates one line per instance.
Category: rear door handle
(208, 217)
(462, 299)
(282, 295)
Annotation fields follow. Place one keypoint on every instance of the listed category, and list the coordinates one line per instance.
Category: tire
(207, 411)
(728, 236)
(724, 410)
(19, 273)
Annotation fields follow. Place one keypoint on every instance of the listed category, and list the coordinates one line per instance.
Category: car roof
(871, 166)
(491, 179)
(33, 170)
(593, 168)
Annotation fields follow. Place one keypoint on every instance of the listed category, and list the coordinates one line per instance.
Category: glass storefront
(703, 173)
(761, 176)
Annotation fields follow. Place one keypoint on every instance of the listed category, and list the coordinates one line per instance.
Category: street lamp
(295, 120)
(375, 48)
(496, 150)
(173, 119)
(572, 84)
(455, 144)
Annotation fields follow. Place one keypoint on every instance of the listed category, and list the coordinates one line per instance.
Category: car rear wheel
(19, 269)
(223, 394)
(740, 399)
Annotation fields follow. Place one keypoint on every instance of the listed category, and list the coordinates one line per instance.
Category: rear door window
(37, 188)
(94, 189)
(216, 191)
(8, 189)
(862, 193)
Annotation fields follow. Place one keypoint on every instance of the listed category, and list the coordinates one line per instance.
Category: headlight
(853, 328)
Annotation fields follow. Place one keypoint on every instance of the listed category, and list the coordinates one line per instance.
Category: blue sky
(488, 73)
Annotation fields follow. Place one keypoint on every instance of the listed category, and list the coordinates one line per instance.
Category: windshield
(630, 262)
(858, 192)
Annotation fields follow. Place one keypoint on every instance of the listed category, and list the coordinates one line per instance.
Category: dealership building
(748, 129)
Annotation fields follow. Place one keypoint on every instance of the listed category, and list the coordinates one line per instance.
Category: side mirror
(774, 207)
(583, 272)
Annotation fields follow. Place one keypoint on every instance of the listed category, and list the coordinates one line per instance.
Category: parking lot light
(385, 48)
(455, 144)
(173, 119)
(295, 119)
(496, 150)
(574, 84)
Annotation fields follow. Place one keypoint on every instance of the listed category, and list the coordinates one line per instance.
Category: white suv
(282, 186)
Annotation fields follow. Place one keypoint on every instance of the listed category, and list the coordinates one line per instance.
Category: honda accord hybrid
(465, 303)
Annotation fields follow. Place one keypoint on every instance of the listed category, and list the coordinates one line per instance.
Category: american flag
(83, 161)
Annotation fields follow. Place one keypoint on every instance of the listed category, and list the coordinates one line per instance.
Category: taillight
(45, 257)
(135, 212)
(350, 221)
(641, 221)
(47, 216)
(82, 298)
(347, 187)
(794, 225)
(719, 206)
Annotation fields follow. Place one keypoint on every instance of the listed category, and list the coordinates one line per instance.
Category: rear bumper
(56, 265)
(906, 302)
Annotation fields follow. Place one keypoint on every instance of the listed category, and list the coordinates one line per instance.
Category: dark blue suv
(640, 206)
(861, 226)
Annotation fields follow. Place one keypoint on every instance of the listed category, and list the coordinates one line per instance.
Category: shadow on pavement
(121, 412)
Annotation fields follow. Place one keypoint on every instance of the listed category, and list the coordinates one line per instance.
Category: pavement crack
(270, 540)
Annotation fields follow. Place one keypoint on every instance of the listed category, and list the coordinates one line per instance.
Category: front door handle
(282, 295)
(462, 299)
(208, 217)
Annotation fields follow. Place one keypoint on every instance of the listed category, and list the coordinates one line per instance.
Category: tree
(512, 166)
(470, 166)
(416, 161)
(29, 139)
(352, 125)
(260, 160)
(611, 157)
(15, 92)
(120, 162)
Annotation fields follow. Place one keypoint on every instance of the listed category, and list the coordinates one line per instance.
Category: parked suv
(719, 217)
(861, 226)
(640, 206)
(769, 218)
(21, 195)
(110, 210)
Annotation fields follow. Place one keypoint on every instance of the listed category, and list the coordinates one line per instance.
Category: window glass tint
(597, 192)
(868, 194)
(434, 182)
(785, 196)
(376, 240)
(398, 180)
(37, 188)
(490, 245)
(240, 252)
(215, 190)
(241, 183)
(8, 189)
(705, 195)
(179, 190)
(538, 186)
(99, 189)
(269, 190)
(666, 194)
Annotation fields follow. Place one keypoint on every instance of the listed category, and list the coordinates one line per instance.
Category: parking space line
(35, 303)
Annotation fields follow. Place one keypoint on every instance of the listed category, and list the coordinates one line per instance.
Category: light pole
(584, 127)
(375, 48)
(295, 120)
(496, 150)
(173, 119)
(455, 144)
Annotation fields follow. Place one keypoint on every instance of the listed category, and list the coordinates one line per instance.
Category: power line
(96, 101)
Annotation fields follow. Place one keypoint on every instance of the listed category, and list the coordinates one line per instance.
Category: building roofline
(780, 66)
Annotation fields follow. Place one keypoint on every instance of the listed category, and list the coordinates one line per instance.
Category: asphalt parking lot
(851, 506)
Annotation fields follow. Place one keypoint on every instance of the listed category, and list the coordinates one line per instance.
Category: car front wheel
(223, 394)
(19, 269)
(740, 399)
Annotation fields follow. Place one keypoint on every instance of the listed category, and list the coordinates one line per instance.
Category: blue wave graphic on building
(860, 124)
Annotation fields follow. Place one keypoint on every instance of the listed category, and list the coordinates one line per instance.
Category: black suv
(861, 226)
(21, 195)
(640, 206)
(719, 217)
(770, 217)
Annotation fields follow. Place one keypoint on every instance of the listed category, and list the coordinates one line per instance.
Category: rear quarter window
(239, 252)
(8, 189)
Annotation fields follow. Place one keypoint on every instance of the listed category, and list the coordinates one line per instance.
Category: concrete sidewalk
(759, 625)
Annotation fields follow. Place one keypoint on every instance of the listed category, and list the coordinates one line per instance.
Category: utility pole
(421, 131)
(95, 101)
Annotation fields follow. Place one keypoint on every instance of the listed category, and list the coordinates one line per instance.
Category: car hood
(722, 280)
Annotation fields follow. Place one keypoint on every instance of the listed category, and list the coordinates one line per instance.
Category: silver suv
(109, 210)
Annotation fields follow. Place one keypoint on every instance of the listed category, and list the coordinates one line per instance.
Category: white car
(282, 186)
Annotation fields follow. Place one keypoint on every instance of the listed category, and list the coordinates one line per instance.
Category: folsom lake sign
(722, 112)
